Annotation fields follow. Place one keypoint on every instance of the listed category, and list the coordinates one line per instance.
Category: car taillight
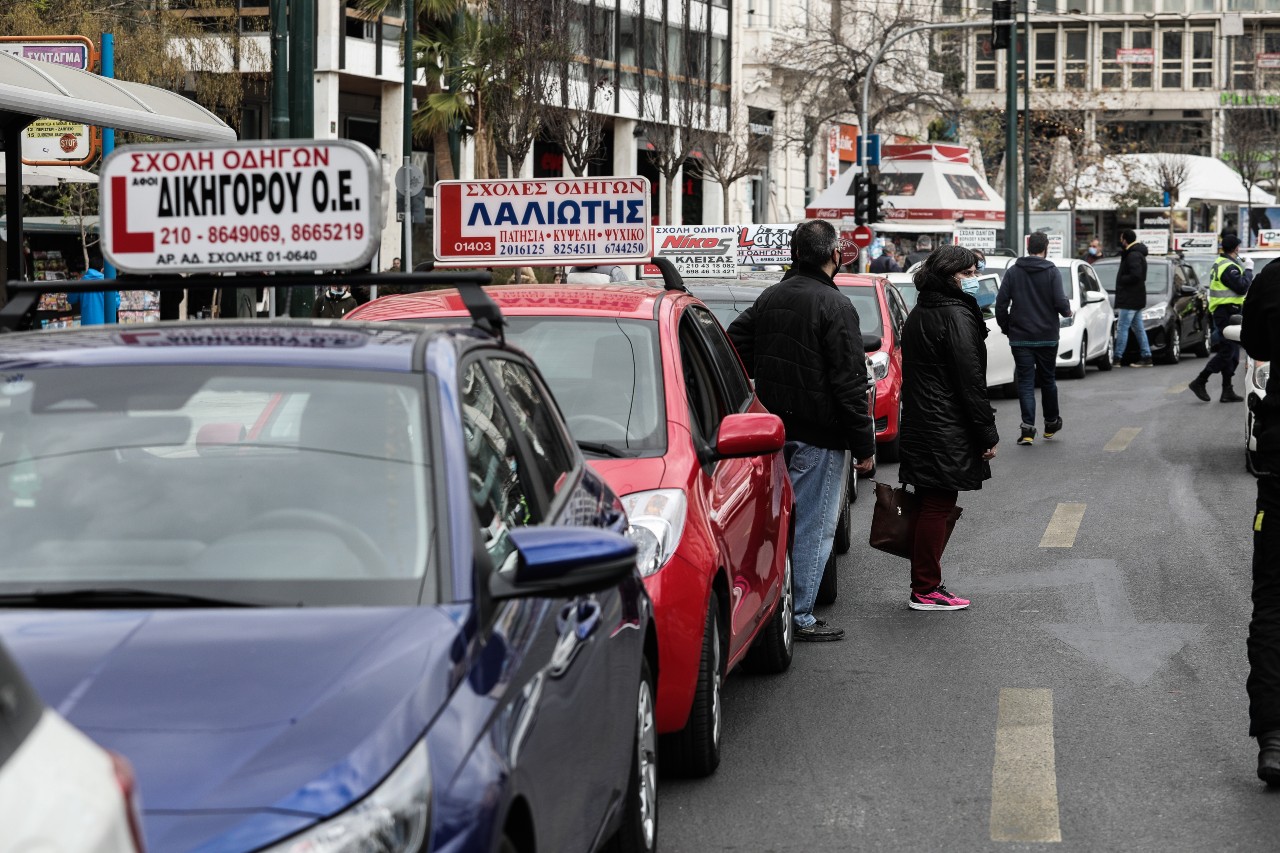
(129, 791)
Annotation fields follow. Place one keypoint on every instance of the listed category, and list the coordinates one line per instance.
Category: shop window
(1110, 71)
(1045, 61)
(984, 65)
(1075, 58)
(1202, 59)
(1140, 76)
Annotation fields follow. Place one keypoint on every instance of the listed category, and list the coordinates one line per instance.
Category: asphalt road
(1091, 699)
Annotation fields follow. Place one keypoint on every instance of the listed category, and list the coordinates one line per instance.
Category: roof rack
(18, 314)
(671, 278)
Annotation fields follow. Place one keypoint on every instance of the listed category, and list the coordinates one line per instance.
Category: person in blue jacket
(98, 307)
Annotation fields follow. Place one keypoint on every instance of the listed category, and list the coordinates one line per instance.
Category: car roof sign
(570, 221)
(248, 206)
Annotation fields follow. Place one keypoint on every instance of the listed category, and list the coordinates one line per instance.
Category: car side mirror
(561, 562)
(1092, 297)
(871, 343)
(1188, 290)
(749, 434)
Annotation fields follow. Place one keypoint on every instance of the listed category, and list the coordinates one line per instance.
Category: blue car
(327, 587)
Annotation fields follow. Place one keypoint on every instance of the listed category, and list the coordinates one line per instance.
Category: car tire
(1173, 351)
(828, 589)
(639, 830)
(843, 538)
(888, 451)
(1201, 349)
(1108, 358)
(694, 751)
(773, 648)
(1081, 366)
(506, 845)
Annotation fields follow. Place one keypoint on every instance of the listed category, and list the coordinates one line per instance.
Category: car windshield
(1157, 275)
(1203, 265)
(253, 485)
(606, 375)
(908, 291)
(867, 303)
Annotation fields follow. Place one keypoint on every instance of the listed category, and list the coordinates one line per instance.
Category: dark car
(1177, 314)
(327, 581)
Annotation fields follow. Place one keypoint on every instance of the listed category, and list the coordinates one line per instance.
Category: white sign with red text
(764, 245)
(570, 221)
(698, 251)
(245, 207)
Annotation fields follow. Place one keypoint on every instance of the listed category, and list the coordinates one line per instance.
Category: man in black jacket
(1260, 335)
(1131, 297)
(801, 343)
(1030, 301)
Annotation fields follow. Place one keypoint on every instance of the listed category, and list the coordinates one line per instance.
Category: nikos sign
(248, 207)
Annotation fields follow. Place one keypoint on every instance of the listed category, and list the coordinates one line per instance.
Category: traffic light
(1001, 13)
(873, 202)
(861, 195)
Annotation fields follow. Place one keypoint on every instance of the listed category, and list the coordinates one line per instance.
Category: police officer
(1228, 283)
(1260, 336)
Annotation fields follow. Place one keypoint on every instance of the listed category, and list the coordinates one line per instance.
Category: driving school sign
(698, 251)
(566, 222)
(246, 207)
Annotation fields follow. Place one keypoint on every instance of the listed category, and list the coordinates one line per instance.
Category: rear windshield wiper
(109, 597)
(603, 449)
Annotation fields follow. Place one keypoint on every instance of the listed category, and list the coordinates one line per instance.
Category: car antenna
(485, 313)
(671, 278)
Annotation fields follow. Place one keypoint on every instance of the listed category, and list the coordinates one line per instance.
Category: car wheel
(506, 845)
(1201, 349)
(827, 588)
(695, 749)
(888, 451)
(772, 650)
(639, 830)
(1173, 352)
(843, 538)
(1081, 365)
(1108, 358)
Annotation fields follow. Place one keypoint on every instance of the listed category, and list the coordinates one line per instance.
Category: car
(1000, 369)
(1256, 375)
(325, 580)
(654, 393)
(58, 789)
(1177, 314)
(881, 313)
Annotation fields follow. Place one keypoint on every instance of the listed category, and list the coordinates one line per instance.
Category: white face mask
(969, 286)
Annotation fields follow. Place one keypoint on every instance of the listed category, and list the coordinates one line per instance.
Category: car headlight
(1261, 373)
(878, 365)
(657, 523)
(394, 818)
(1155, 312)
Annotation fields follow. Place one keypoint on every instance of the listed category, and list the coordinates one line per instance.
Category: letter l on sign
(122, 239)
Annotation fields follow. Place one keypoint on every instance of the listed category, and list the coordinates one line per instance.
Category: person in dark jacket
(335, 303)
(1030, 301)
(1260, 335)
(924, 245)
(1131, 297)
(948, 434)
(884, 263)
(801, 343)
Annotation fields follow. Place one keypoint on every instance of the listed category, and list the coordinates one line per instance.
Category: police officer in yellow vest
(1228, 284)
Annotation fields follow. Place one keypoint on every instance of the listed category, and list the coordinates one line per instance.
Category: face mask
(1092, 250)
(981, 266)
(969, 286)
(336, 293)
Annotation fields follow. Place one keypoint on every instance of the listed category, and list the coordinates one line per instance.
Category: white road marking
(1024, 781)
(1063, 526)
(1176, 389)
(1122, 439)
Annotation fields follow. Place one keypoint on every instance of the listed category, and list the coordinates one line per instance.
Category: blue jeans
(1028, 362)
(817, 478)
(1131, 318)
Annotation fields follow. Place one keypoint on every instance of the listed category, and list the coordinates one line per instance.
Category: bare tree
(578, 131)
(734, 153)
(1172, 173)
(1246, 146)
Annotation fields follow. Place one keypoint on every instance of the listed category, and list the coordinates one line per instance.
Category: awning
(45, 90)
(1208, 180)
(49, 176)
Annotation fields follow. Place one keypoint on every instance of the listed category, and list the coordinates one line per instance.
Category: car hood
(625, 476)
(242, 724)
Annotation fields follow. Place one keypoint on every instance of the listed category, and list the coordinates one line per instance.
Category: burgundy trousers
(931, 537)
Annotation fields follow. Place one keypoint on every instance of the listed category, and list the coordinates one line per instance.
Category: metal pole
(302, 66)
(279, 69)
(13, 127)
(406, 251)
(1011, 138)
(108, 133)
(1026, 133)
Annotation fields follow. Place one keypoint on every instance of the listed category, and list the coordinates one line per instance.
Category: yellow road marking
(1063, 526)
(1176, 389)
(1122, 439)
(1024, 782)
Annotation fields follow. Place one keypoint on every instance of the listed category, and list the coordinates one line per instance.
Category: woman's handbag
(893, 522)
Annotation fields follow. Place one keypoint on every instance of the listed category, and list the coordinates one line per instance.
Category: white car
(1256, 374)
(59, 791)
(999, 356)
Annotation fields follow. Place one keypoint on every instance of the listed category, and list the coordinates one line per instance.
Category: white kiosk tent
(31, 90)
(923, 189)
(1209, 181)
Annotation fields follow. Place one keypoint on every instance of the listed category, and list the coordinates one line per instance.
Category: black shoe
(1027, 436)
(1229, 395)
(819, 632)
(1198, 387)
(1146, 362)
(1269, 758)
(1052, 428)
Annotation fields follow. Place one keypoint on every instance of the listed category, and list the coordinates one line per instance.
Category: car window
(737, 390)
(897, 311)
(497, 476)
(1179, 276)
(725, 312)
(909, 294)
(988, 290)
(1068, 282)
(552, 456)
(867, 304)
(706, 406)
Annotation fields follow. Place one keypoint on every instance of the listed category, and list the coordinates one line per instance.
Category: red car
(653, 392)
(881, 312)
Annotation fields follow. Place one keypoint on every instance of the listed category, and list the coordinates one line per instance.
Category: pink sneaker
(939, 599)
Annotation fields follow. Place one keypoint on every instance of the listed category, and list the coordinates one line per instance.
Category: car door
(729, 487)
(541, 659)
(1182, 301)
(1097, 315)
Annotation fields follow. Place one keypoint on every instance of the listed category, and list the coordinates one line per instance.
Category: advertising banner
(575, 222)
(974, 238)
(1201, 243)
(245, 207)
(1155, 239)
(698, 251)
(764, 245)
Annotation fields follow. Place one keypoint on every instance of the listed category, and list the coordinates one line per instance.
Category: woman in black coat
(948, 426)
